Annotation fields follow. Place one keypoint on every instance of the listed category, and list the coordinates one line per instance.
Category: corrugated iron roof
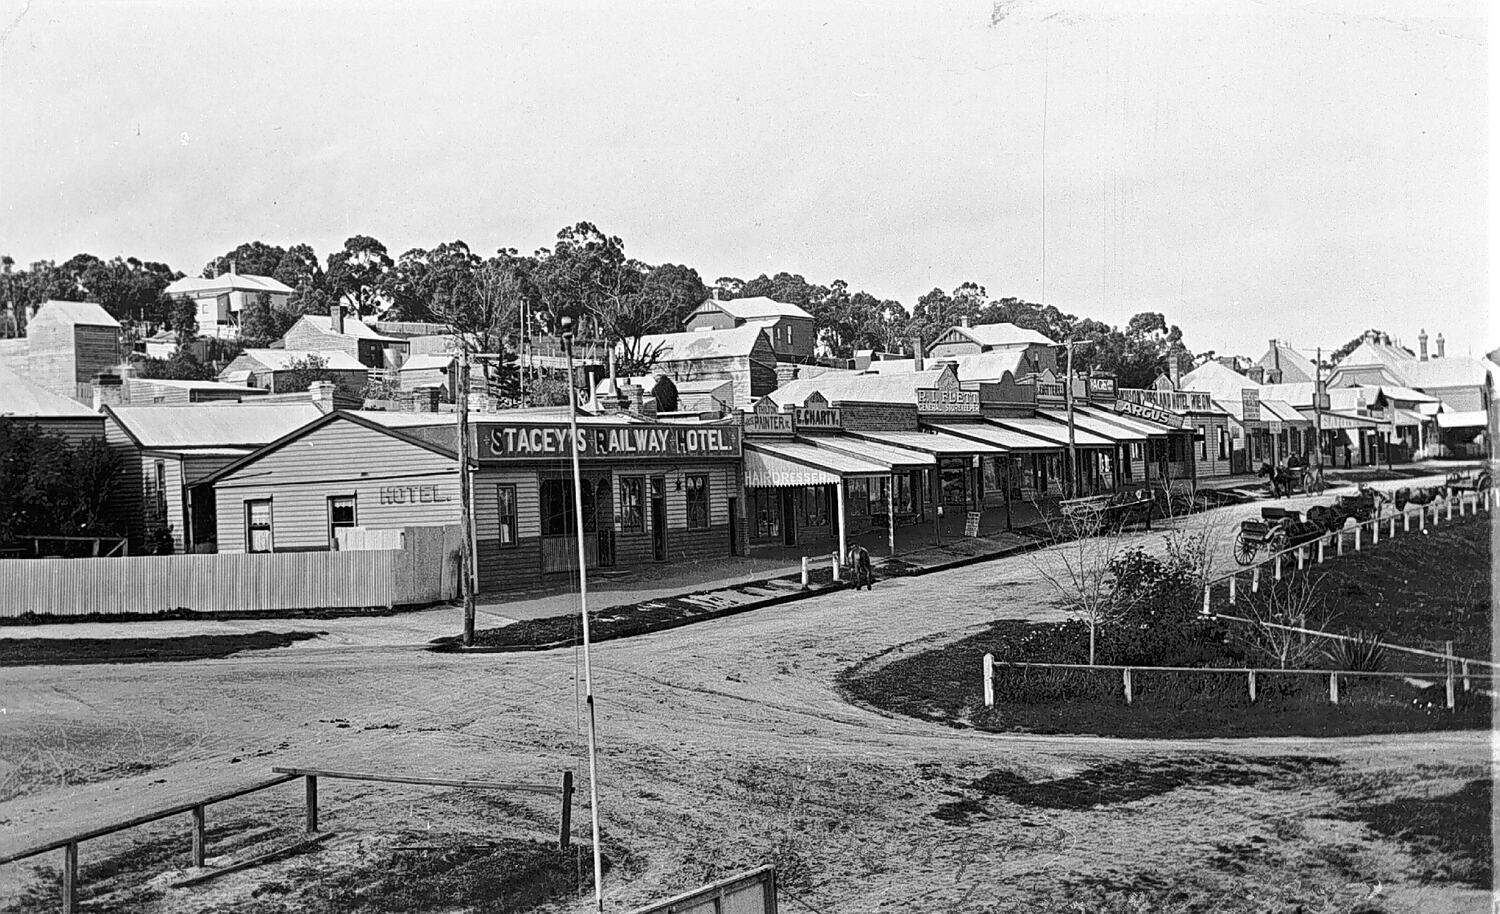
(86, 313)
(1051, 431)
(21, 398)
(213, 425)
(857, 387)
(703, 344)
(282, 359)
(353, 326)
(1000, 437)
(228, 282)
(754, 308)
(1090, 424)
(934, 442)
(807, 456)
(1004, 335)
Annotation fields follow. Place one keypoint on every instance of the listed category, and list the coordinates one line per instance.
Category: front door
(734, 526)
(659, 518)
(604, 512)
(789, 516)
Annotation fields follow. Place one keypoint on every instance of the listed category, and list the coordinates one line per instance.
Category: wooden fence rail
(1251, 674)
(198, 808)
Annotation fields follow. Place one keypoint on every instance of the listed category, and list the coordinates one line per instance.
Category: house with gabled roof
(333, 330)
(167, 450)
(31, 404)
(68, 343)
(277, 370)
(740, 354)
(790, 330)
(222, 299)
(1284, 365)
(1040, 350)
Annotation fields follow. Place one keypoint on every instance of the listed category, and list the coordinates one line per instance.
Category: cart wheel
(1245, 549)
(1276, 542)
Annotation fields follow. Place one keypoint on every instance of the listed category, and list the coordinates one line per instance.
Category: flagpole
(583, 609)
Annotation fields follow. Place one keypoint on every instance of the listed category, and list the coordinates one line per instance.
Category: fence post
(1129, 695)
(1449, 502)
(1301, 557)
(1393, 525)
(1465, 670)
(1233, 580)
(1406, 521)
(1252, 686)
(1358, 535)
(804, 572)
(1375, 532)
(833, 563)
(1278, 567)
(1207, 589)
(1333, 688)
(312, 803)
(1321, 544)
(1255, 579)
(1422, 517)
(199, 838)
(70, 878)
(989, 680)
(1448, 669)
(565, 823)
(1339, 548)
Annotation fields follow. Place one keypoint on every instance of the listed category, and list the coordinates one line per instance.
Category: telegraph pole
(583, 609)
(1072, 445)
(1318, 411)
(465, 507)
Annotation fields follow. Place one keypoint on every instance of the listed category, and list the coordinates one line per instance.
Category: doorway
(734, 526)
(604, 523)
(789, 516)
(658, 518)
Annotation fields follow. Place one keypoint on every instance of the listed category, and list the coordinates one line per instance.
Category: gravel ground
(726, 744)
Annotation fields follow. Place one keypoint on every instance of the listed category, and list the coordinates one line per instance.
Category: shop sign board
(768, 424)
(1145, 411)
(413, 495)
(499, 441)
(818, 417)
(947, 398)
(1250, 404)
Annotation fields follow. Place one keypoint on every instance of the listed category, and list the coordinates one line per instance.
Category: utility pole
(566, 325)
(1072, 445)
(1318, 411)
(465, 506)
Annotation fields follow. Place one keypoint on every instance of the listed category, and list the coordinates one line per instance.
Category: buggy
(1278, 529)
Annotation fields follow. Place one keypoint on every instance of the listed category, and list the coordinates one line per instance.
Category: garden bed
(1415, 588)
(49, 651)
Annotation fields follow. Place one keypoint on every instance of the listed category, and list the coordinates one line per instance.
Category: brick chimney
(336, 317)
(963, 320)
(1256, 373)
(1174, 371)
(1422, 345)
(916, 350)
(321, 393)
(109, 390)
(1440, 344)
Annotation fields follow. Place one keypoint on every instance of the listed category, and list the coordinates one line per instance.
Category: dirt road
(725, 745)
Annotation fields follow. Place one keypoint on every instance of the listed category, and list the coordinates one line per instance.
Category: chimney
(1422, 345)
(916, 351)
(635, 394)
(1275, 357)
(1257, 374)
(321, 393)
(109, 390)
(1174, 371)
(336, 317)
(1439, 342)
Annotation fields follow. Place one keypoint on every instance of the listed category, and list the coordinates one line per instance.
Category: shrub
(1360, 653)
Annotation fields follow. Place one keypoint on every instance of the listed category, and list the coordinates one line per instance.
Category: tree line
(585, 275)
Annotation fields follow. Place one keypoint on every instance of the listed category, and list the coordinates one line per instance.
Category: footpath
(621, 603)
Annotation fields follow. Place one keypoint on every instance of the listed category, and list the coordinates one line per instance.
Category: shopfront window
(632, 504)
(505, 501)
(859, 497)
(558, 508)
(697, 501)
(953, 479)
(258, 526)
(765, 513)
(341, 514)
(817, 505)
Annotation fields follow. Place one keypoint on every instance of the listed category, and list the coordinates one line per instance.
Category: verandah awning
(1476, 418)
(1335, 420)
(1051, 431)
(1002, 438)
(792, 463)
(935, 443)
(1135, 423)
(1115, 433)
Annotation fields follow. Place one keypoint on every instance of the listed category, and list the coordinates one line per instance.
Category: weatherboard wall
(395, 484)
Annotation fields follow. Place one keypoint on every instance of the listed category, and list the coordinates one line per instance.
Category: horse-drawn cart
(1110, 512)
(1360, 507)
(1278, 529)
(1473, 480)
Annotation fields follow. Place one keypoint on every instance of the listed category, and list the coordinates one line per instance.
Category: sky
(1301, 170)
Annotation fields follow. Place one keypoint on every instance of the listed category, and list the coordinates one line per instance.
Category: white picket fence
(238, 582)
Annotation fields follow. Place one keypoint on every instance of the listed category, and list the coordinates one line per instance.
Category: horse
(1282, 481)
(859, 561)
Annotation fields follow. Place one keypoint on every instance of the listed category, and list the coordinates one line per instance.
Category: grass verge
(50, 651)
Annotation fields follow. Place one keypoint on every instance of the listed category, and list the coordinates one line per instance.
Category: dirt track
(723, 745)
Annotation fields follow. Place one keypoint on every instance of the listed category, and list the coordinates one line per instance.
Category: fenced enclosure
(420, 572)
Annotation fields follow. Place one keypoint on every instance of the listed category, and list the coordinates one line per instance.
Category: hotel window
(1203, 443)
(341, 511)
(505, 502)
(1223, 444)
(697, 501)
(258, 526)
(557, 507)
(632, 501)
(859, 497)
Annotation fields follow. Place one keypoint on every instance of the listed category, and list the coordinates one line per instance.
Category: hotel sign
(1250, 404)
(1153, 413)
(550, 442)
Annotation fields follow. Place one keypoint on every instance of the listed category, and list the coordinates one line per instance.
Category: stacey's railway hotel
(652, 491)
